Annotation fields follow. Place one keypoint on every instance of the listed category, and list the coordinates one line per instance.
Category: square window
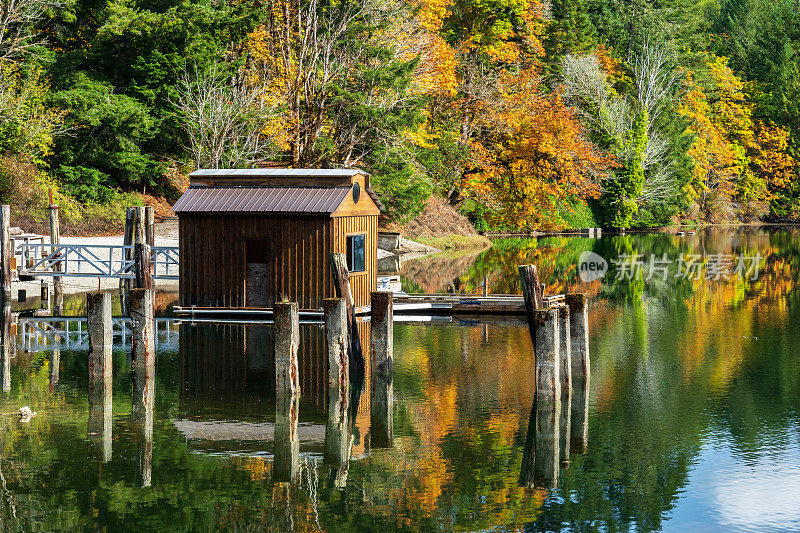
(355, 253)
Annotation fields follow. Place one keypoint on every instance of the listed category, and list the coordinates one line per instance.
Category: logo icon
(591, 266)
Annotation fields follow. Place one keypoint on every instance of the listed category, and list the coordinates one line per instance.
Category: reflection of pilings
(144, 384)
(579, 418)
(287, 342)
(540, 457)
(287, 440)
(381, 329)
(55, 362)
(338, 440)
(335, 311)
(546, 466)
(381, 423)
(5, 344)
(142, 327)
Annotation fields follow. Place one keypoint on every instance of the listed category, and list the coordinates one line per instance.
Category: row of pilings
(137, 298)
(558, 424)
(345, 383)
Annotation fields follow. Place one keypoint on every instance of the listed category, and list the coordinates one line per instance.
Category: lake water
(692, 409)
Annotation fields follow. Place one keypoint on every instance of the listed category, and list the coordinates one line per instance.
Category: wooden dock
(418, 304)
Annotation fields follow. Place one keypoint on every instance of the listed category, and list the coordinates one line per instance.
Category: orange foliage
(535, 157)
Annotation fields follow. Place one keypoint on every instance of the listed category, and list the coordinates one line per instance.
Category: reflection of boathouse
(222, 363)
(229, 369)
(249, 238)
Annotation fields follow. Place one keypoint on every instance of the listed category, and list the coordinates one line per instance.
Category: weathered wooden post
(287, 440)
(5, 345)
(99, 325)
(125, 284)
(287, 343)
(547, 353)
(547, 397)
(142, 328)
(382, 332)
(141, 266)
(381, 432)
(6, 253)
(55, 239)
(565, 374)
(149, 226)
(531, 290)
(579, 334)
(58, 299)
(335, 312)
(338, 439)
(341, 283)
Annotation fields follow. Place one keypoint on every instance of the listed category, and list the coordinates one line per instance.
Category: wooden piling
(547, 353)
(44, 292)
(55, 238)
(149, 226)
(565, 348)
(126, 284)
(341, 284)
(579, 334)
(6, 253)
(335, 312)
(287, 441)
(381, 332)
(529, 279)
(141, 266)
(287, 342)
(143, 328)
(99, 326)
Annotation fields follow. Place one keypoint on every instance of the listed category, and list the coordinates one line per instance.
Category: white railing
(92, 260)
(48, 333)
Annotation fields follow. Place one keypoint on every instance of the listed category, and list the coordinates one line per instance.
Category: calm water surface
(692, 411)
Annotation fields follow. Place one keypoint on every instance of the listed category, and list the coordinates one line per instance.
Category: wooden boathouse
(253, 237)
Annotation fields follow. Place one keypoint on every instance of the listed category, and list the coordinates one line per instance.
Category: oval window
(356, 192)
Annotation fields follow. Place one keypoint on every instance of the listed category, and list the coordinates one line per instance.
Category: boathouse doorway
(258, 273)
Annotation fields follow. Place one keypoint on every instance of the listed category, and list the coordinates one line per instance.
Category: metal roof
(321, 200)
(279, 172)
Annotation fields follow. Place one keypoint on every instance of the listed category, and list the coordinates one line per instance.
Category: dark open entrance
(258, 274)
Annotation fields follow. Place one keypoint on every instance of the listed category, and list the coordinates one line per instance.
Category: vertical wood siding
(362, 284)
(212, 257)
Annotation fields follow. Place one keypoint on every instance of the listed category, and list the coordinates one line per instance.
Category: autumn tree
(535, 157)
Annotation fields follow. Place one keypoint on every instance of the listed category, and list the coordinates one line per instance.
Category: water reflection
(692, 407)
